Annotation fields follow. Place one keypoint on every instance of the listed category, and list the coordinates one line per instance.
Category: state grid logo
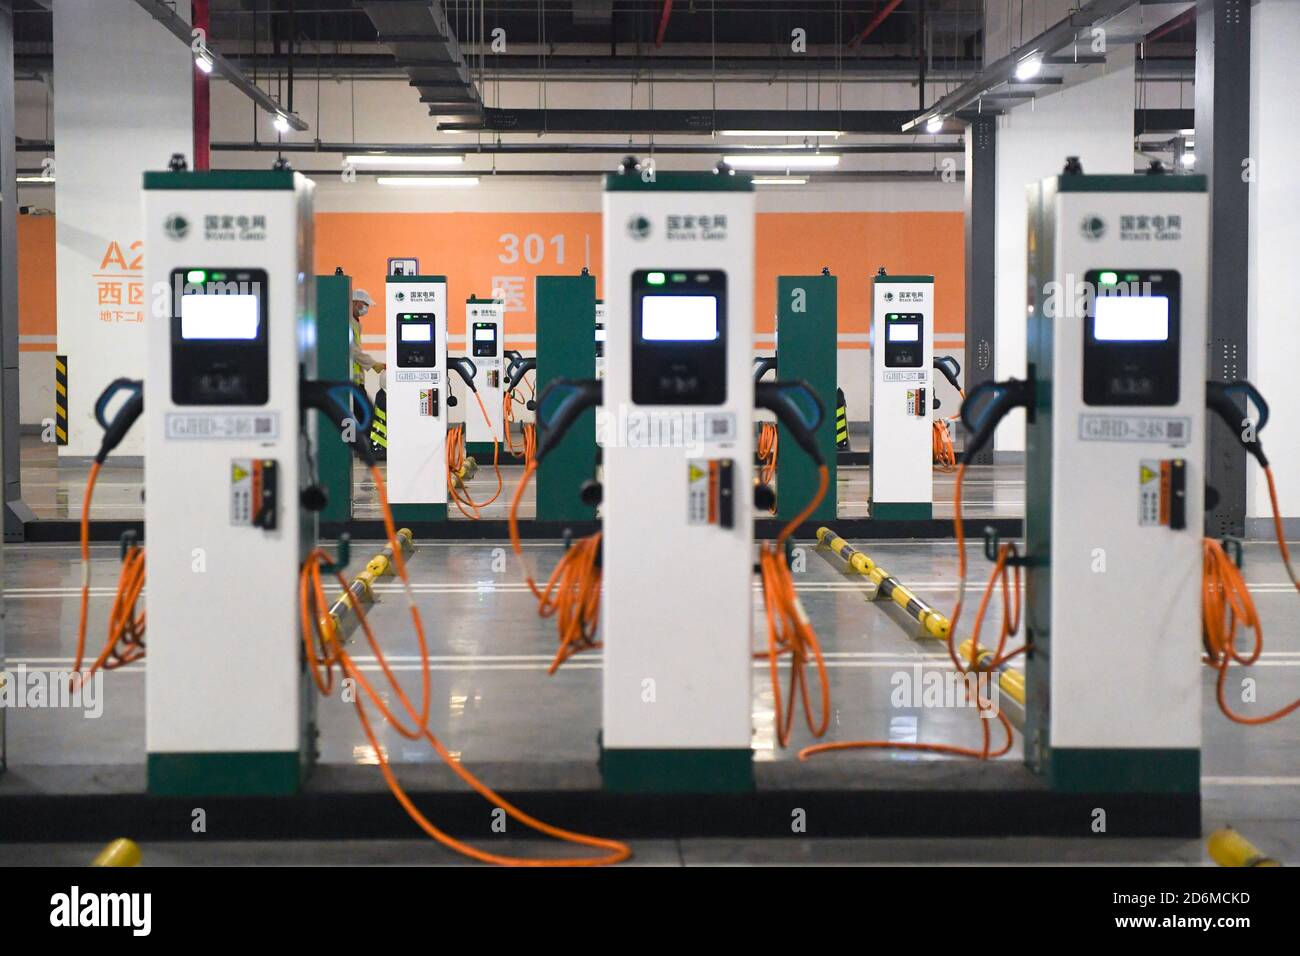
(176, 226)
(1093, 227)
(638, 227)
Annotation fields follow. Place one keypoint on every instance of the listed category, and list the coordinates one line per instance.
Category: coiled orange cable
(528, 431)
(945, 457)
(324, 650)
(572, 592)
(790, 632)
(125, 642)
(1226, 603)
(456, 459)
(767, 442)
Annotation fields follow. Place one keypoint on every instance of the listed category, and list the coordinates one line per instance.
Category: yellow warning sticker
(1148, 474)
(237, 474)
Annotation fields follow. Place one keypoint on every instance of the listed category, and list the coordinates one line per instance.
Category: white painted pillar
(1274, 347)
(1090, 116)
(122, 104)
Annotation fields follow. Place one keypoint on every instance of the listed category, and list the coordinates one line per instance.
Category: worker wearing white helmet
(362, 360)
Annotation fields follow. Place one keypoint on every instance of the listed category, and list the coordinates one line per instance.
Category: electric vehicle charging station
(902, 351)
(418, 392)
(1115, 478)
(485, 347)
(677, 442)
(225, 465)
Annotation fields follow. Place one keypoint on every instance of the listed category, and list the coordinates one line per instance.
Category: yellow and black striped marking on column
(841, 420)
(61, 399)
(379, 428)
(935, 624)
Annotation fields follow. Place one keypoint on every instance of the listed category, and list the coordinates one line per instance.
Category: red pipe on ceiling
(663, 23)
(876, 21)
(1186, 17)
(202, 103)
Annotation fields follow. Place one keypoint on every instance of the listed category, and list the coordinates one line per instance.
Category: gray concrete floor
(495, 702)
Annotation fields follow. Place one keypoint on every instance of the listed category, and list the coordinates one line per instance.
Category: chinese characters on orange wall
(119, 284)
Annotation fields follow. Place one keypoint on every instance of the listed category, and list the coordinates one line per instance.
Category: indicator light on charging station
(655, 278)
(1108, 278)
(195, 275)
(679, 276)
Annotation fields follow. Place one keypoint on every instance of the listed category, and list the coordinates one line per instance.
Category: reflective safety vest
(358, 373)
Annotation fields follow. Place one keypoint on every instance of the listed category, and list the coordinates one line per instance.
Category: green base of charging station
(405, 513)
(481, 452)
(901, 510)
(677, 771)
(262, 773)
(1150, 770)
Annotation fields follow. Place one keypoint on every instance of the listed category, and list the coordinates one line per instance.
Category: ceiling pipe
(876, 21)
(577, 149)
(1187, 17)
(663, 23)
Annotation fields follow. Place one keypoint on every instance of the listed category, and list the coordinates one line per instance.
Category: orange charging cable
(126, 626)
(767, 442)
(572, 592)
(456, 459)
(324, 649)
(527, 429)
(789, 631)
(945, 456)
(1226, 603)
(1009, 585)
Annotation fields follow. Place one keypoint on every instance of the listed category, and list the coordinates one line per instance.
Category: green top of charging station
(415, 278)
(888, 278)
(475, 299)
(241, 179)
(1139, 183)
(678, 183)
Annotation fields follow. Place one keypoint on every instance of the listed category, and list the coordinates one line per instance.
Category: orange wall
(36, 280)
(475, 251)
(854, 245)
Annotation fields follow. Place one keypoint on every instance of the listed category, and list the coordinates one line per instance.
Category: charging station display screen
(903, 333)
(219, 317)
(1131, 340)
(485, 335)
(679, 318)
(416, 333)
(679, 337)
(219, 343)
(1131, 319)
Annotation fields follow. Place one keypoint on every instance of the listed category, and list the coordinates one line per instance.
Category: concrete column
(1274, 230)
(122, 104)
(1091, 118)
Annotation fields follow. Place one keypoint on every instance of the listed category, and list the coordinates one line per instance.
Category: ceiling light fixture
(405, 159)
(782, 161)
(445, 182)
